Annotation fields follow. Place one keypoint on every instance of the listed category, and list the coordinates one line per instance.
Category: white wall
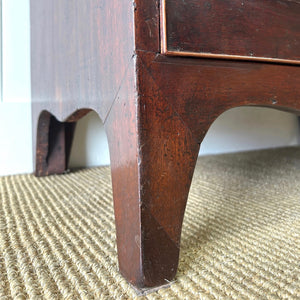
(250, 128)
(15, 110)
(236, 130)
(16, 51)
(15, 138)
(90, 147)
(239, 129)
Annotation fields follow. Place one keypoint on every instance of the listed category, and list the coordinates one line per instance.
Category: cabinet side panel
(80, 51)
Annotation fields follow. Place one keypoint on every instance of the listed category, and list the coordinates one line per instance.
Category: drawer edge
(165, 51)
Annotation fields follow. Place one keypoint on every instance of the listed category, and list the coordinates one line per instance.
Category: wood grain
(265, 30)
(105, 56)
(80, 50)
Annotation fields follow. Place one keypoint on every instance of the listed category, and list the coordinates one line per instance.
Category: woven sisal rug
(241, 234)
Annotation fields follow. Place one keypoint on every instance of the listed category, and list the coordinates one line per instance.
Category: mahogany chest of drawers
(158, 73)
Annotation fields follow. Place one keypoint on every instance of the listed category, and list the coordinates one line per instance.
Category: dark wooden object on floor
(158, 73)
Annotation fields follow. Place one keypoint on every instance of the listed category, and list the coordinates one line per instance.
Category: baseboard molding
(15, 138)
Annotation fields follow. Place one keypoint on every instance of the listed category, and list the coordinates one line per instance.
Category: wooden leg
(167, 165)
(53, 145)
(152, 168)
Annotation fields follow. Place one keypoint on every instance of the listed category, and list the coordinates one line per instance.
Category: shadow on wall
(90, 146)
(250, 128)
(238, 129)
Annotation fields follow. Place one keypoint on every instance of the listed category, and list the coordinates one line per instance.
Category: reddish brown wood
(200, 89)
(104, 56)
(55, 140)
(152, 168)
(235, 29)
(168, 153)
(121, 128)
(80, 53)
(147, 20)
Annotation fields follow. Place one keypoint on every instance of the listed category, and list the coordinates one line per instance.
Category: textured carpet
(241, 233)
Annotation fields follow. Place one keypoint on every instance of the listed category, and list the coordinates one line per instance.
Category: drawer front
(264, 30)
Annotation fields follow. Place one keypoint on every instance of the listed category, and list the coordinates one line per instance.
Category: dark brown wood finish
(80, 54)
(215, 86)
(232, 29)
(81, 50)
(105, 56)
(55, 140)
